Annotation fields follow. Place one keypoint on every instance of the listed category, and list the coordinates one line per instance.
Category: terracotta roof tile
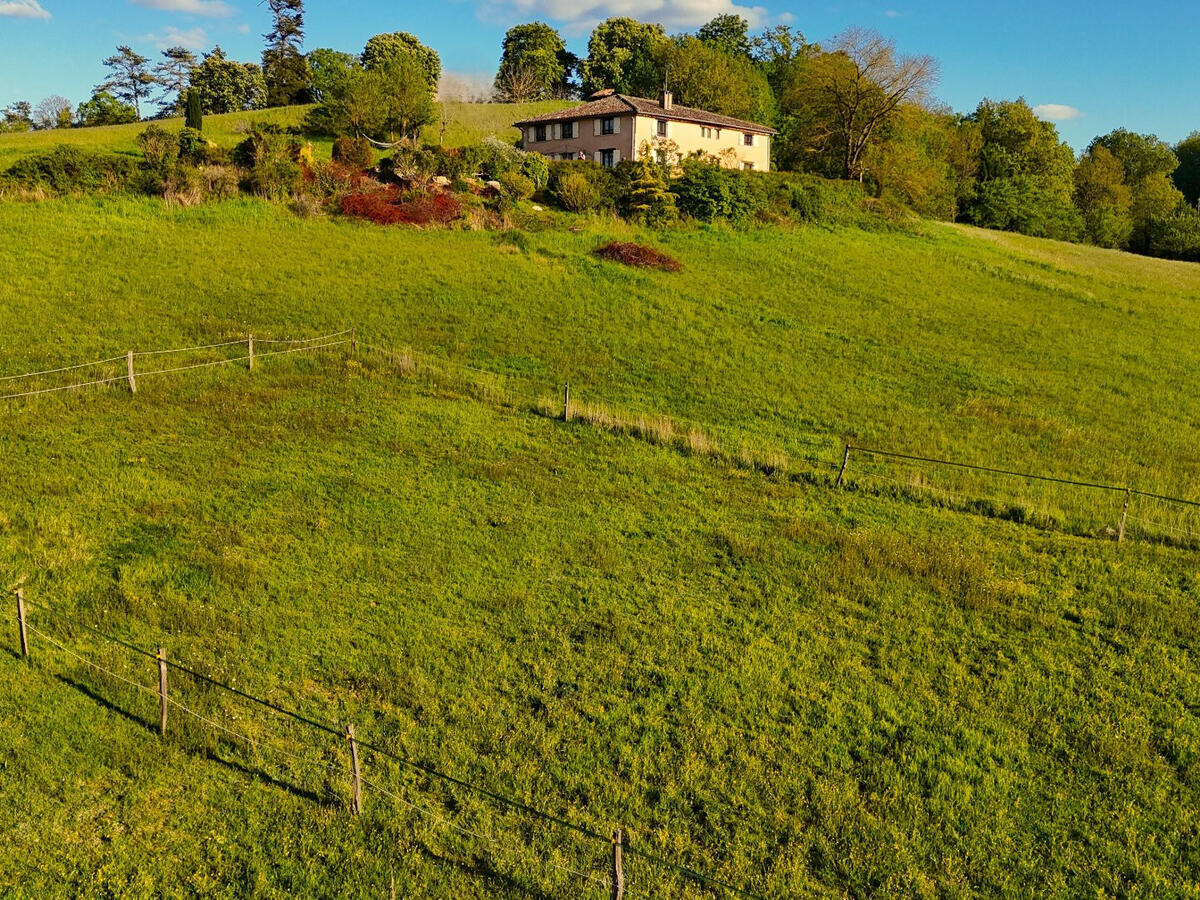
(620, 104)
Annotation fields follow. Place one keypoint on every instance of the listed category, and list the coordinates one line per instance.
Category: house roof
(622, 105)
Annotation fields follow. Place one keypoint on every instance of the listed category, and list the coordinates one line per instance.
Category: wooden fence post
(356, 803)
(353, 341)
(250, 345)
(618, 866)
(162, 691)
(842, 471)
(1124, 515)
(132, 379)
(21, 623)
(567, 402)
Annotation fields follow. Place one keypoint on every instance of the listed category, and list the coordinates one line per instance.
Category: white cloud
(1057, 112)
(192, 38)
(23, 9)
(580, 15)
(191, 7)
(893, 14)
(244, 28)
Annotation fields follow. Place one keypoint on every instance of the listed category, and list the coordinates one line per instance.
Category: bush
(536, 168)
(413, 164)
(638, 255)
(708, 191)
(271, 160)
(516, 186)
(1175, 237)
(604, 188)
(192, 146)
(494, 157)
(159, 147)
(576, 193)
(387, 206)
(354, 152)
(649, 202)
(67, 169)
(220, 182)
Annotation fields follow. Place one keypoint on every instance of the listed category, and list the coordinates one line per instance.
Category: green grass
(466, 123)
(804, 691)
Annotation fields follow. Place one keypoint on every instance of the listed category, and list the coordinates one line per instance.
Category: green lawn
(803, 691)
(465, 123)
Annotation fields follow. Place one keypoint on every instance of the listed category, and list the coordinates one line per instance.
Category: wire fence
(557, 854)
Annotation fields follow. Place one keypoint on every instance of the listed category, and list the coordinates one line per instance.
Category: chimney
(667, 100)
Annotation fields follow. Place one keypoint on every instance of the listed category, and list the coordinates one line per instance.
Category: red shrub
(638, 255)
(388, 207)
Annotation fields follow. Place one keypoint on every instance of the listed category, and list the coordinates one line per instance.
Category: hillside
(465, 123)
(801, 690)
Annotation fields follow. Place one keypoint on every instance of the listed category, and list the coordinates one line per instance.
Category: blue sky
(1094, 65)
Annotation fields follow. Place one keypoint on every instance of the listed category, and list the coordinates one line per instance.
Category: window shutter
(596, 157)
(555, 132)
(596, 127)
(616, 124)
(532, 134)
(616, 157)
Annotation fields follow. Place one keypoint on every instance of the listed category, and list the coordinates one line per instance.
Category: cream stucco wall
(632, 132)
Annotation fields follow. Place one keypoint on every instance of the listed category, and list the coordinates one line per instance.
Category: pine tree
(650, 203)
(284, 65)
(173, 73)
(131, 80)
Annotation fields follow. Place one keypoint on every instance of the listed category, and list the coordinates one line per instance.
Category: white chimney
(667, 100)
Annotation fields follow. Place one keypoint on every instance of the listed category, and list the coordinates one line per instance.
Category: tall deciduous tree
(534, 64)
(130, 77)
(728, 33)
(1103, 198)
(105, 109)
(387, 102)
(53, 112)
(228, 86)
(1147, 163)
(383, 49)
(1187, 175)
(329, 69)
(284, 66)
(702, 76)
(625, 55)
(17, 117)
(173, 74)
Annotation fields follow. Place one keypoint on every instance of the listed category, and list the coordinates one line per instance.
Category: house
(611, 127)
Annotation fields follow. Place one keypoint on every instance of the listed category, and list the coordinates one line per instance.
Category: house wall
(587, 141)
(690, 137)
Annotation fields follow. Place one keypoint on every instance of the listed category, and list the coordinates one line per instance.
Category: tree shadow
(267, 778)
(112, 707)
(481, 868)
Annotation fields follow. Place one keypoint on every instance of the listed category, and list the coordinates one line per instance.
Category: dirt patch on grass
(639, 255)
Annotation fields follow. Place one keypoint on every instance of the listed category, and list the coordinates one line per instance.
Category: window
(608, 158)
(748, 166)
(568, 129)
(748, 140)
(608, 126)
(540, 133)
(705, 131)
(662, 127)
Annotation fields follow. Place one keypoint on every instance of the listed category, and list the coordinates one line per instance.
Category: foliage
(195, 110)
(515, 186)
(105, 109)
(387, 101)
(173, 74)
(284, 66)
(707, 78)
(536, 168)
(192, 146)
(1187, 175)
(913, 162)
(386, 50)
(130, 78)
(729, 34)
(271, 161)
(1174, 236)
(329, 70)
(534, 65)
(53, 112)
(638, 255)
(354, 152)
(159, 147)
(650, 203)
(624, 55)
(72, 170)
(17, 118)
(1103, 198)
(389, 206)
(708, 191)
(228, 86)
(576, 192)
(780, 52)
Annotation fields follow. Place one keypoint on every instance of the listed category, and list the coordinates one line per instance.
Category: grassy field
(465, 123)
(803, 691)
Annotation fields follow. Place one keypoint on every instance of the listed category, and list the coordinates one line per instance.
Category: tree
(1103, 198)
(1026, 174)
(105, 109)
(131, 79)
(625, 55)
(385, 48)
(779, 51)
(284, 66)
(195, 110)
(847, 95)
(389, 101)
(917, 160)
(534, 64)
(728, 33)
(53, 112)
(173, 74)
(650, 202)
(1187, 176)
(707, 78)
(1147, 164)
(228, 86)
(17, 117)
(328, 69)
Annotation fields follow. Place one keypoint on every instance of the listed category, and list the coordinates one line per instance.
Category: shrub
(649, 202)
(413, 164)
(159, 147)
(387, 206)
(450, 162)
(575, 192)
(67, 169)
(192, 146)
(639, 255)
(708, 191)
(536, 168)
(185, 186)
(495, 157)
(516, 186)
(354, 152)
(271, 160)
(220, 182)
